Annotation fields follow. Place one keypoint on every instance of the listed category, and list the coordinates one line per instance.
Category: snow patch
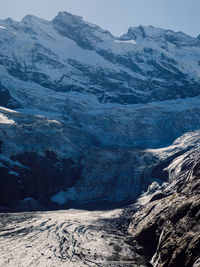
(126, 41)
(2, 165)
(53, 121)
(63, 196)
(2, 27)
(12, 162)
(5, 120)
(7, 109)
(13, 173)
(27, 199)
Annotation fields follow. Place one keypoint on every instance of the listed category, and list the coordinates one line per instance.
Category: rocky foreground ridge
(166, 226)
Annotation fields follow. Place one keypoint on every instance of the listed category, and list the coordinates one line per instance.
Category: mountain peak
(144, 32)
(33, 20)
(67, 17)
(159, 35)
(85, 34)
(9, 20)
(29, 18)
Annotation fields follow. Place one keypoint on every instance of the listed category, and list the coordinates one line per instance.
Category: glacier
(88, 117)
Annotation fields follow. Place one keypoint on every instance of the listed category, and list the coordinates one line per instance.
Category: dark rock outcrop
(167, 227)
(36, 177)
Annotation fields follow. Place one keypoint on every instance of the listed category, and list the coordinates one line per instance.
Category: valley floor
(72, 238)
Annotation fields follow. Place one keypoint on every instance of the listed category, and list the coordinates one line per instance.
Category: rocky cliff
(166, 226)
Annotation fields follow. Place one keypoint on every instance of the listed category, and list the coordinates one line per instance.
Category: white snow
(2, 27)
(8, 110)
(53, 121)
(5, 120)
(125, 41)
(11, 162)
(63, 196)
(61, 49)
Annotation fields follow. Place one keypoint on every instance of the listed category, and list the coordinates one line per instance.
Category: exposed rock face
(37, 178)
(85, 34)
(167, 225)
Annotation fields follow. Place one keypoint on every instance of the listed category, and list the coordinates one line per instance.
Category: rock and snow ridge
(71, 55)
(166, 224)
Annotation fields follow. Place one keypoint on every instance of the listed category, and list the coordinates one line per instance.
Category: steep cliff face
(87, 116)
(167, 223)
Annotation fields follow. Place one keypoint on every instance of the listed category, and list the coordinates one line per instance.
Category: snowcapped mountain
(87, 116)
(69, 54)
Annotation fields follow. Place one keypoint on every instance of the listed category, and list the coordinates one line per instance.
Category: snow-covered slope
(69, 54)
(87, 116)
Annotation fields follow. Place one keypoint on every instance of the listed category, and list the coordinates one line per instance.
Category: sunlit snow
(125, 41)
(5, 120)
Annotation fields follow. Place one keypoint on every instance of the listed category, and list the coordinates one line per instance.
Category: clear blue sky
(114, 15)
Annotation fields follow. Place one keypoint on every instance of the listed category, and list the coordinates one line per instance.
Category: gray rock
(168, 228)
